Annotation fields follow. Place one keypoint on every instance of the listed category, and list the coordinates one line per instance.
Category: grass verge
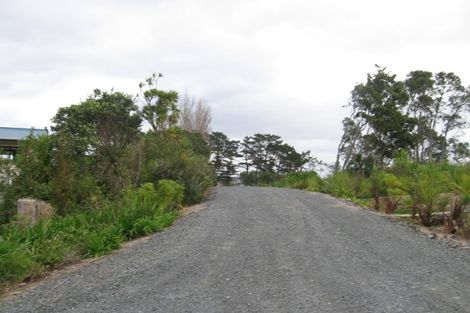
(27, 252)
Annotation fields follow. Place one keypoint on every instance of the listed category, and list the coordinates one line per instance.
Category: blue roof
(13, 133)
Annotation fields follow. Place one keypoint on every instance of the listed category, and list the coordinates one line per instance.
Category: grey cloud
(263, 65)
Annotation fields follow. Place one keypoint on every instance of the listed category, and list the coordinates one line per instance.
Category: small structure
(32, 211)
(11, 136)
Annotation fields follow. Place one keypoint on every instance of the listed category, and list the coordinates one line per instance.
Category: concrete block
(32, 210)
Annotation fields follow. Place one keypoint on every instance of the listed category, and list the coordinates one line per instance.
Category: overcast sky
(283, 67)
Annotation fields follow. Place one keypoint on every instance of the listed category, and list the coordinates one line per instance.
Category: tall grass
(29, 251)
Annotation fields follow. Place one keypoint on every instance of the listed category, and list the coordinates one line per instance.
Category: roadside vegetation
(400, 152)
(433, 194)
(107, 180)
(400, 148)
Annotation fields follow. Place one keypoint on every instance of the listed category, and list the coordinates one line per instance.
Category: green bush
(426, 187)
(15, 263)
(339, 184)
(170, 194)
(144, 226)
(300, 180)
(35, 167)
(365, 188)
(143, 209)
(459, 198)
(387, 186)
(104, 239)
(257, 178)
(27, 250)
(169, 155)
(7, 207)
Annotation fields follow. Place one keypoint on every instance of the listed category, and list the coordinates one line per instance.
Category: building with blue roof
(10, 138)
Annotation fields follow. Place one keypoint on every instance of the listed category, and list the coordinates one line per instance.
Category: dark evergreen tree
(224, 152)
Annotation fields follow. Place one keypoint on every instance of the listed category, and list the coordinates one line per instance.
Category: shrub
(425, 189)
(104, 239)
(170, 194)
(141, 209)
(300, 180)
(386, 185)
(258, 178)
(7, 174)
(460, 197)
(15, 263)
(143, 200)
(169, 155)
(88, 169)
(145, 226)
(35, 167)
(339, 184)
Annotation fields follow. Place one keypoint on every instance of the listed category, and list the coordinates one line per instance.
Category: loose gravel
(267, 250)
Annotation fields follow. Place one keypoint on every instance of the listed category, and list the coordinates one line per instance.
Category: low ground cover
(27, 252)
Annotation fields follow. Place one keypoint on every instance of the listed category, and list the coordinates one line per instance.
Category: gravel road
(267, 250)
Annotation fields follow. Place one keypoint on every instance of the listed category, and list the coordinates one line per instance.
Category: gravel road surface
(267, 250)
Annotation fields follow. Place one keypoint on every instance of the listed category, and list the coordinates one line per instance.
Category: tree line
(423, 116)
(258, 158)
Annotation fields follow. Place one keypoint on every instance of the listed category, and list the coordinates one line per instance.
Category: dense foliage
(400, 150)
(28, 251)
(400, 147)
(422, 116)
(177, 155)
(97, 150)
(433, 192)
(106, 179)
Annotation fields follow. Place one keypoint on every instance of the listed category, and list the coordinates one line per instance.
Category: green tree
(268, 153)
(101, 129)
(379, 102)
(438, 103)
(350, 147)
(420, 87)
(263, 151)
(224, 151)
(289, 160)
(160, 107)
(422, 115)
(246, 151)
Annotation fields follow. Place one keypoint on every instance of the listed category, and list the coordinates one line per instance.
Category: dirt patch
(192, 209)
